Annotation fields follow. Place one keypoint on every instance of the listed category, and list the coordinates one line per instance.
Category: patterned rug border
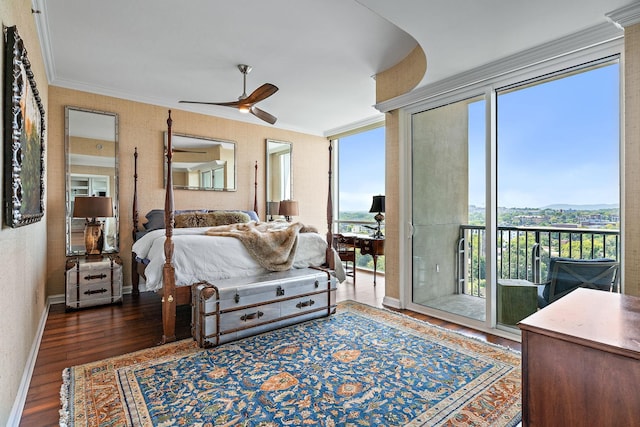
(420, 328)
(365, 308)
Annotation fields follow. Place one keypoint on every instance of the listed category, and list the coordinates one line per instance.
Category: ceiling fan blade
(263, 115)
(234, 104)
(263, 92)
(245, 102)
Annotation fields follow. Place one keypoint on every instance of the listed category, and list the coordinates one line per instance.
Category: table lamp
(288, 208)
(91, 208)
(377, 206)
(273, 208)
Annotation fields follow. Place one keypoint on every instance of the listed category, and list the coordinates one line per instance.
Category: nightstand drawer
(91, 276)
(93, 292)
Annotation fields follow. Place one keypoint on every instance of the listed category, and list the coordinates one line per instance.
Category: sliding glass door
(558, 178)
(448, 175)
(506, 180)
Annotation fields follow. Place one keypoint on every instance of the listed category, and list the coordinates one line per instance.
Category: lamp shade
(92, 207)
(273, 208)
(288, 208)
(378, 204)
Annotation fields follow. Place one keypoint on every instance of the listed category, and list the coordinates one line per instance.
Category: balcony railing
(524, 252)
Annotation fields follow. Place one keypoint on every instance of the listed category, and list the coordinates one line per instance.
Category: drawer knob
(95, 276)
(250, 316)
(303, 304)
(279, 291)
(95, 291)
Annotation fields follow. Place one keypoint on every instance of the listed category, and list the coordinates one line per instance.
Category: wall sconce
(377, 206)
(273, 208)
(91, 208)
(288, 208)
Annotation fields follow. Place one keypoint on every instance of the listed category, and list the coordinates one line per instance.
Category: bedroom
(34, 264)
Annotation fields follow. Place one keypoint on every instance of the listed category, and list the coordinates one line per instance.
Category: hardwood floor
(92, 334)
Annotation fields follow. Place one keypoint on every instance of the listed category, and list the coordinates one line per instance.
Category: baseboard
(392, 302)
(55, 299)
(21, 397)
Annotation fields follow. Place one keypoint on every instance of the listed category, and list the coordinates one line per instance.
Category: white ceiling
(322, 54)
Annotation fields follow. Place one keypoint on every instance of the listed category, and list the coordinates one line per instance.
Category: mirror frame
(268, 172)
(179, 138)
(114, 192)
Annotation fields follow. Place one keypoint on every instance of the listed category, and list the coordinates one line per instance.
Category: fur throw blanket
(271, 244)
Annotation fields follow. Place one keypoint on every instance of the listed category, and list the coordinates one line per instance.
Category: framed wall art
(23, 137)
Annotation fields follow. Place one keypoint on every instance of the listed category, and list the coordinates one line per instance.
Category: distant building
(561, 225)
(529, 219)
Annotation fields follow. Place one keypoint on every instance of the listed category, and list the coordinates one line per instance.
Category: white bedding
(199, 257)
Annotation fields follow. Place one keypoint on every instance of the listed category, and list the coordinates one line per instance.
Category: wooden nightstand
(90, 283)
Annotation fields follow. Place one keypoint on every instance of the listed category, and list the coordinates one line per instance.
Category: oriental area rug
(363, 366)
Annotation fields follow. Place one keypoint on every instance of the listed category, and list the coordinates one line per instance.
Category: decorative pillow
(308, 229)
(187, 220)
(155, 220)
(253, 216)
(212, 219)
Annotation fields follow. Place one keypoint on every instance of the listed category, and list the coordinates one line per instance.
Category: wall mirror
(91, 152)
(200, 163)
(279, 183)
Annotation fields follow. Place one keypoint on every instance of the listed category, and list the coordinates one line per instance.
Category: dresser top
(604, 320)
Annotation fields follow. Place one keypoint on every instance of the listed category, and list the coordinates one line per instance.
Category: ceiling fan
(246, 104)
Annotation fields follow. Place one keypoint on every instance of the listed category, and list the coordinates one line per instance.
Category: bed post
(255, 190)
(135, 278)
(168, 271)
(329, 255)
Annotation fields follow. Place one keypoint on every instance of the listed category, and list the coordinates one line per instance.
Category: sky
(558, 143)
(361, 160)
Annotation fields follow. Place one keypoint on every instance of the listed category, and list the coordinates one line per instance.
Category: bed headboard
(155, 217)
(169, 195)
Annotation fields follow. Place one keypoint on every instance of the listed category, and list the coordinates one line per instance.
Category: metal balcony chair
(346, 248)
(566, 274)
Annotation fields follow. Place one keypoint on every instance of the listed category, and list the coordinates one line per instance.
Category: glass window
(558, 168)
(555, 162)
(361, 175)
(361, 166)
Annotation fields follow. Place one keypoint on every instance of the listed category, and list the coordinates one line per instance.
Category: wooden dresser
(581, 361)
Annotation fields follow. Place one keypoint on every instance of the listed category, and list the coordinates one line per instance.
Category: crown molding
(625, 16)
(377, 120)
(42, 28)
(581, 40)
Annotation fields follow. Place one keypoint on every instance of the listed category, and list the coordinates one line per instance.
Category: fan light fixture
(246, 103)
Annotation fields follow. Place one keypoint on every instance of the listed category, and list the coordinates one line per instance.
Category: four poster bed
(213, 246)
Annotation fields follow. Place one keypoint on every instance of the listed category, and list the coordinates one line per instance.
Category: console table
(581, 361)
